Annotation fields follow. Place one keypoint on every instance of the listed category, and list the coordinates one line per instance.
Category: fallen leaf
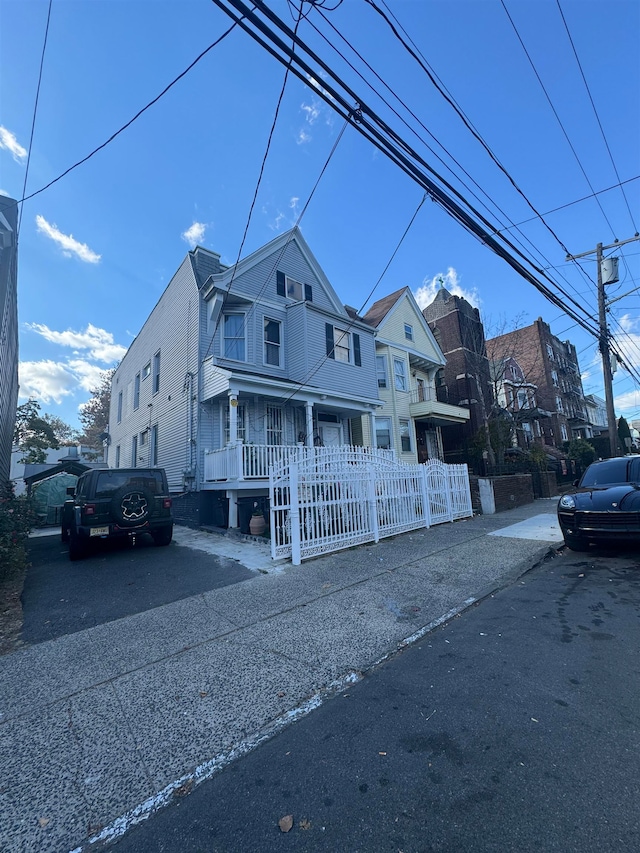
(305, 824)
(203, 693)
(43, 821)
(533, 720)
(281, 693)
(183, 790)
(382, 753)
(285, 823)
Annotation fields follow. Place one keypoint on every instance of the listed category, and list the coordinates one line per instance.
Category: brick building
(465, 380)
(552, 365)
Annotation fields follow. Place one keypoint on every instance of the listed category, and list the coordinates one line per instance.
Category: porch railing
(252, 461)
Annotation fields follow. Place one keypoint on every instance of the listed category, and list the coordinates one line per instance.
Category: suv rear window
(111, 481)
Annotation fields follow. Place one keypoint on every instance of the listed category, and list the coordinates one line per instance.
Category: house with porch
(408, 359)
(235, 369)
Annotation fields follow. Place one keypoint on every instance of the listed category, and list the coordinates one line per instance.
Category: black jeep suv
(112, 503)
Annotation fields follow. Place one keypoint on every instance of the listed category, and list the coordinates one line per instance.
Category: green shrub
(16, 518)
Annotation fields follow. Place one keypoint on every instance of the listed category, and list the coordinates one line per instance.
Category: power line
(135, 117)
(35, 111)
(378, 133)
(615, 169)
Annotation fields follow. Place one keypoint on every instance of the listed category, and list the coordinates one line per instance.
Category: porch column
(233, 418)
(233, 508)
(372, 427)
(309, 413)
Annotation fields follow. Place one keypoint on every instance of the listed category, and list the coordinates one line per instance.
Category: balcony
(425, 406)
(251, 462)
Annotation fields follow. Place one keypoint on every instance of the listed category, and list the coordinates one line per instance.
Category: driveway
(61, 597)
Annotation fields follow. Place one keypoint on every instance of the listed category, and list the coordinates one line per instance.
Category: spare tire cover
(131, 505)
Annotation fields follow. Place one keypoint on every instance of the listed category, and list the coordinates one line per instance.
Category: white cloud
(313, 82)
(98, 342)
(311, 111)
(303, 137)
(89, 376)
(4, 192)
(450, 280)
(627, 404)
(46, 381)
(195, 234)
(9, 142)
(70, 246)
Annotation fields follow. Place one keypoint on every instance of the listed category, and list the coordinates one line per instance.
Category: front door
(331, 435)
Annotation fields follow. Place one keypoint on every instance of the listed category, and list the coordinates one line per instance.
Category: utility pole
(604, 337)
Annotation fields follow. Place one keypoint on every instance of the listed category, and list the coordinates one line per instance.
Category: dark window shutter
(308, 293)
(280, 285)
(356, 350)
(328, 330)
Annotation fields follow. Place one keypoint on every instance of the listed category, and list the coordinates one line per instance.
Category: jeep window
(110, 481)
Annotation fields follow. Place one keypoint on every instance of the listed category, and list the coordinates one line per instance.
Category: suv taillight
(166, 503)
(89, 509)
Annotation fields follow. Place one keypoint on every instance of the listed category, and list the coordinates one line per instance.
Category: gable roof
(379, 310)
(382, 310)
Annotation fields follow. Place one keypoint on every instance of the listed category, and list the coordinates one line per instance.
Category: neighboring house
(65, 458)
(465, 380)
(8, 331)
(407, 361)
(517, 398)
(552, 365)
(233, 368)
(596, 409)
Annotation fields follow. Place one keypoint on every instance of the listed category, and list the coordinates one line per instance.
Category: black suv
(112, 503)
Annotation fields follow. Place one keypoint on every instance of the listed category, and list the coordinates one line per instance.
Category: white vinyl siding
(381, 370)
(383, 433)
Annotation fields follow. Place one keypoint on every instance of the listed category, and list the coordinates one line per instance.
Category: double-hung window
(272, 342)
(405, 436)
(400, 374)
(408, 331)
(343, 345)
(383, 433)
(234, 340)
(119, 406)
(381, 371)
(136, 392)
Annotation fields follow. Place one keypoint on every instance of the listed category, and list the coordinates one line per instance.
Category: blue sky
(99, 246)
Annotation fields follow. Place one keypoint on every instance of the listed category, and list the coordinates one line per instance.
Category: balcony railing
(252, 461)
(424, 394)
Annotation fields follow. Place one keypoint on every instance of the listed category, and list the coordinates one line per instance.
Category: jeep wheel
(131, 506)
(163, 535)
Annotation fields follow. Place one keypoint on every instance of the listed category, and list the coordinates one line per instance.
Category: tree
(580, 450)
(62, 431)
(32, 433)
(624, 435)
(94, 415)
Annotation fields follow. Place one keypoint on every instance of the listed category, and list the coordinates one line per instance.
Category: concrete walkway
(101, 727)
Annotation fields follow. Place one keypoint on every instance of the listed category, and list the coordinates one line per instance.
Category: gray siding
(172, 329)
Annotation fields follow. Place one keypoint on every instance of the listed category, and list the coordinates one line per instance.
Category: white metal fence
(330, 498)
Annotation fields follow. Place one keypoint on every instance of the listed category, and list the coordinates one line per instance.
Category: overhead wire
(33, 120)
(370, 125)
(595, 111)
(492, 201)
(409, 47)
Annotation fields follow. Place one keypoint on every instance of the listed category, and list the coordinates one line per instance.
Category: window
(559, 405)
(405, 436)
(400, 373)
(143, 438)
(154, 445)
(274, 426)
(136, 392)
(293, 289)
(381, 371)
(563, 432)
(242, 431)
(554, 378)
(234, 344)
(523, 402)
(118, 456)
(156, 372)
(550, 352)
(272, 341)
(146, 370)
(119, 406)
(408, 331)
(383, 433)
(134, 451)
(340, 344)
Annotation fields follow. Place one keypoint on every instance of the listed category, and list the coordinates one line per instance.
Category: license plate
(99, 531)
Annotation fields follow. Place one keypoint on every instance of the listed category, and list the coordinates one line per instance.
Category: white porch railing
(253, 461)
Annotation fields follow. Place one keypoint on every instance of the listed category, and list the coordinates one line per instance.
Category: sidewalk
(99, 728)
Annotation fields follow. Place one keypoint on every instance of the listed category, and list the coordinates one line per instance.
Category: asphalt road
(61, 597)
(516, 727)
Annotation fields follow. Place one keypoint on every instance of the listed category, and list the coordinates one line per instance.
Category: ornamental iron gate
(324, 499)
